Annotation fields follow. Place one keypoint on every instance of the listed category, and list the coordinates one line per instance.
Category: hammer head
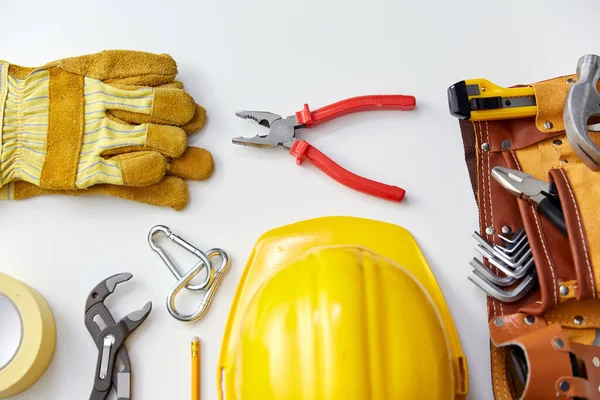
(583, 103)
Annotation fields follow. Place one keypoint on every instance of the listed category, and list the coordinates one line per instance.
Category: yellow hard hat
(340, 308)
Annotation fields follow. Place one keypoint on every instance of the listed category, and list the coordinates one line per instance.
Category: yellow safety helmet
(340, 308)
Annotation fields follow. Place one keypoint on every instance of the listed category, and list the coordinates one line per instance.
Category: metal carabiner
(204, 261)
(213, 276)
(208, 295)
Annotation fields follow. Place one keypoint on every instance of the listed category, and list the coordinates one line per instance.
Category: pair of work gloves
(114, 123)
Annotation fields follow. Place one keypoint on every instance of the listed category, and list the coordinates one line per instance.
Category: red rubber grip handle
(302, 149)
(356, 104)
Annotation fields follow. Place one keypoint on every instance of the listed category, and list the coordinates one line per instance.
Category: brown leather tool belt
(554, 324)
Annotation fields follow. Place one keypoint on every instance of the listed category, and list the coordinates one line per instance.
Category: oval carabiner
(161, 229)
(210, 292)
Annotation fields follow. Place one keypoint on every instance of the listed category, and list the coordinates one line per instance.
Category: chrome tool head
(521, 184)
(263, 118)
(281, 131)
(583, 103)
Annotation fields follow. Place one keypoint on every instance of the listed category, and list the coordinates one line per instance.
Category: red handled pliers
(282, 133)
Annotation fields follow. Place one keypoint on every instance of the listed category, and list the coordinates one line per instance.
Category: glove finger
(170, 141)
(197, 121)
(195, 163)
(141, 168)
(124, 66)
(169, 192)
(169, 107)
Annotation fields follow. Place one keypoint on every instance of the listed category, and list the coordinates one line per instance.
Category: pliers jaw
(281, 131)
(125, 327)
(263, 118)
(105, 289)
(522, 185)
(133, 320)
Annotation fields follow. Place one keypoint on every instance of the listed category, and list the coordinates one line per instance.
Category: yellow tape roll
(38, 338)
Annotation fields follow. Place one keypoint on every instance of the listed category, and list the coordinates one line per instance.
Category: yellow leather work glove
(110, 123)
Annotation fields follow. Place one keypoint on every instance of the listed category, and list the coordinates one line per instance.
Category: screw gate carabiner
(210, 284)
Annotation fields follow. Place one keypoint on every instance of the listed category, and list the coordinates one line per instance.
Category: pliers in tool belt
(113, 367)
(282, 132)
(542, 195)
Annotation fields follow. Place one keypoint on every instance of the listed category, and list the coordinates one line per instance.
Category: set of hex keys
(513, 258)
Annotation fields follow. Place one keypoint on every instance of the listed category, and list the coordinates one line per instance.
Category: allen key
(514, 260)
(485, 245)
(512, 248)
(516, 237)
(517, 273)
(510, 261)
(505, 296)
(490, 276)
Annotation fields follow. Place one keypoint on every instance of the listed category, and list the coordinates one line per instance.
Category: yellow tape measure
(28, 333)
(481, 100)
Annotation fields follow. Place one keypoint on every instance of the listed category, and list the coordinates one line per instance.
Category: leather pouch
(557, 366)
(567, 267)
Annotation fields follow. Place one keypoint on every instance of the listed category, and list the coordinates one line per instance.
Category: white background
(275, 55)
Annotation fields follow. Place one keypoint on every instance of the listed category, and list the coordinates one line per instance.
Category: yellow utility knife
(481, 100)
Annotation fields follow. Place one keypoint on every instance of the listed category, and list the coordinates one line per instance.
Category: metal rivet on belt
(499, 322)
(558, 343)
(570, 80)
(506, 144)
(557, 142)
(596, 362)
(564, 386)
(578, 320)
(530, 320)
(548, 125)
(490, 230)
(486, 147)
(506, 229)
(564, 290)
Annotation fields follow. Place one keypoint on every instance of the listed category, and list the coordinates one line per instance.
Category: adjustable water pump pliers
(282, 132)
(113, 367)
